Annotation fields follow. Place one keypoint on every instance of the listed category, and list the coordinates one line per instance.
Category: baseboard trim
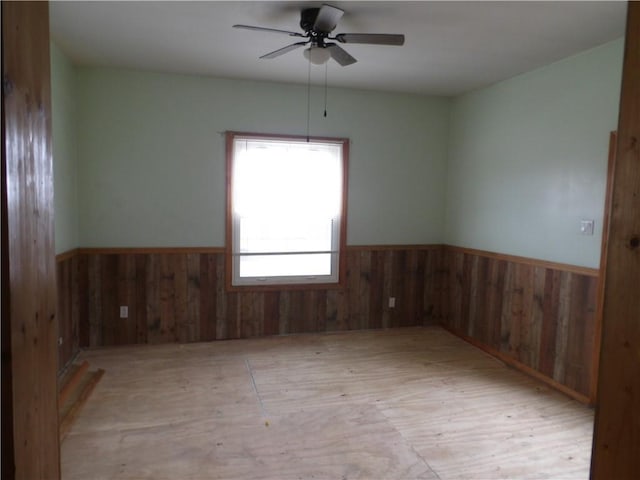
(521, 367)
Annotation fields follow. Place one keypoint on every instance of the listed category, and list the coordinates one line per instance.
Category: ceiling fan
(318, 23)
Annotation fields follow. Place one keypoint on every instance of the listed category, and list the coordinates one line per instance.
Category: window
(286, 209)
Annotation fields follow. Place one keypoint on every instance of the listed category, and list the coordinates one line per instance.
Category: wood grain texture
(70, 381)
(528, 261)
(617, 429)
(402, 403)
(78, 396)
(540, 317)
(29, 278)
(611, 167)
(180, 297)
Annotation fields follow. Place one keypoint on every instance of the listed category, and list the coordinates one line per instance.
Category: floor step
(76, 386)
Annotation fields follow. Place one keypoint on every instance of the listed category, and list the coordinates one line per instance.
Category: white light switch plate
(586, 227)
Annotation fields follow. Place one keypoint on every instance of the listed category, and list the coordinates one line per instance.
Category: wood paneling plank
(126, 287)
(363, 294)
(251, 305)
(207, 297)
(192, 320)
(616, 440)
(400, 281)
(221, 299)
(81, 291)
(376, 289)
(387, 287)
(233, 324)
(152, 285)
(296, 311)
(562, 329)
(271, 322)
(140, 298)
(551, 309)
(109, 299)
(537, 315)
(30, 444)
(353, 288)
(505, 315)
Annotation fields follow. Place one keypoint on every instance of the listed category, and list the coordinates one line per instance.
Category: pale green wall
(63, 99)
(511, 168)
(152, 165)
(528, 156)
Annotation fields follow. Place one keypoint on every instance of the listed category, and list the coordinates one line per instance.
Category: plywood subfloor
(393, 404)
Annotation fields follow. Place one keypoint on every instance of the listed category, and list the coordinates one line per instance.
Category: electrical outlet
(392, 302)
(124, 311)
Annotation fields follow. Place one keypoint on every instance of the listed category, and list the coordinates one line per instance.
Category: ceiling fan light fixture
(317, 55)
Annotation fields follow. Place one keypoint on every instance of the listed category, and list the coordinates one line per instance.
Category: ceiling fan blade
(273, 30)
(283, 50)
(340, 55)
(327, 19)
(371, 38)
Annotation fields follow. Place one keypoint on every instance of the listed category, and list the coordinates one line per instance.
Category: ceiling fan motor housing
(308, 18)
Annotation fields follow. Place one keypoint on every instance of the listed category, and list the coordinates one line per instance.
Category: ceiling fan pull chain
(308, 98)
(326, 68)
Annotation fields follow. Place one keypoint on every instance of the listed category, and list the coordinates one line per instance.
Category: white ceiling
(451, 47)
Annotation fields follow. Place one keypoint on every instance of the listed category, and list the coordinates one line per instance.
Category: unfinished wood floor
(392, 404)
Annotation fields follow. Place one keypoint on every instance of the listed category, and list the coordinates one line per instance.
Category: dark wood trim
(228, 258)
(611, 165)
(616, 439)
(592, 272)
(520, 366)
(277, 136)
(434, 246)
(79, 402)
(289, 287)
(72, 383)
(144, 250)
(8, 461)
(28, 254)
(342, 258)
(61, 257)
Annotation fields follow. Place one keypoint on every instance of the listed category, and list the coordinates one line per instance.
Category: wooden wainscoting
(69, 307)
(179, 295)
(539, 316)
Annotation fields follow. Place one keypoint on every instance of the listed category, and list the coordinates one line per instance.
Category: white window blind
(286, 207)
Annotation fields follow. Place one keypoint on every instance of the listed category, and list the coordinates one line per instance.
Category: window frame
(230, 137)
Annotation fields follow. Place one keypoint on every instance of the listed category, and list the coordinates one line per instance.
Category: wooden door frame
(606, 218)
(29, 323)
(616, 437)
